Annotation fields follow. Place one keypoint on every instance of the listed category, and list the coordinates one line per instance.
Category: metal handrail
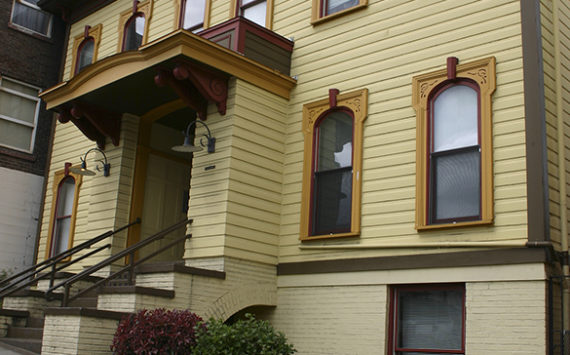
(130, 251)
(30, 275)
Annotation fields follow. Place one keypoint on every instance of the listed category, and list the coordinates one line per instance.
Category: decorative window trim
(357, 103)
(394, 306)
(235, 11)
(59, 176)
(482, 72)
(93, 32)
(33, 125)
(144, 8)
(29, 30)
(179, 19)
(317, 10)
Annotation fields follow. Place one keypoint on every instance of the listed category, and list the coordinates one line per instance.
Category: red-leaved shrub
(156, 332)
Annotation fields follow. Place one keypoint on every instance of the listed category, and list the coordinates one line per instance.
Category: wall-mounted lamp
(82, 170)
(188, 147)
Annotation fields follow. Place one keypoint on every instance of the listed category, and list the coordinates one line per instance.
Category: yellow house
(376, 176)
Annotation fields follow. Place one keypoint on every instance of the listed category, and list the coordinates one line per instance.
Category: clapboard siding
(394, 41)
(564, 103)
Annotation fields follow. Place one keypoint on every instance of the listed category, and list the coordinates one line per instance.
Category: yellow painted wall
(237, 206)
(393, 42)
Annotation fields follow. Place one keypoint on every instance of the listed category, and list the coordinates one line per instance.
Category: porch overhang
(180, 65)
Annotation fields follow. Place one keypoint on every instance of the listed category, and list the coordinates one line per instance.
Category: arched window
(332, 174)
(454, 165)
(85, 54)
(134, 32)
(455, 153)
(332, 171)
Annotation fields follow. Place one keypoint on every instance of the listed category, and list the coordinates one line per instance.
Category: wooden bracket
(185, 91)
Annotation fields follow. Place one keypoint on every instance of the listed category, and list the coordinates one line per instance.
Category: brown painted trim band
(536, 159)
(85, 312)
(440, 260)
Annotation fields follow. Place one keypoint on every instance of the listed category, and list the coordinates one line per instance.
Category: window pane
(61, 235)
(256, 13)
(85, 54)
(31, 17)
(333, 6)
(17, 107)
(24, 89)
(333, 202)
(65, 196)
(15, 135)
(430, 319)
(455, 118)
(194, 13)
(457, 185)
(334, 142)
(134, 33)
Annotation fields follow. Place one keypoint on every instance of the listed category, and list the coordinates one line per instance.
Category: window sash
(28, 16)
(335, 216)
(254, 10)
(134, 32)
(18, 126)
(85, 54)
(193, 15)
(65, 200)
(330, 7)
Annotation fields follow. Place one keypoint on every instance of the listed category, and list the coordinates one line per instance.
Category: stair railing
(129, 252)
(32, 274)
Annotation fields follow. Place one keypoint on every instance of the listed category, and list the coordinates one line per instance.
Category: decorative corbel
(210, 84)
(333, 93)
(185, 91)
(106, 122)
(452, 68)
(84, 126)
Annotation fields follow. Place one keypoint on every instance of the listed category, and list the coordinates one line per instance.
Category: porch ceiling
(137, 81)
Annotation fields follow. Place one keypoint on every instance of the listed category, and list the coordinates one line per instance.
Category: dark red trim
(433, 95)
(452, 68)
(393, 317)
(333, 93)
(314, 163)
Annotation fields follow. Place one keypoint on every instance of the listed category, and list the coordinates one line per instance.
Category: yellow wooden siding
(104, 202)
(161, 23)
(219, 11)
(564, 103)
(550, 101)
(394, 41)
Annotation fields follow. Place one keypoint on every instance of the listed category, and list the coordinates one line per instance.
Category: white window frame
(17, 121)
(26, 29)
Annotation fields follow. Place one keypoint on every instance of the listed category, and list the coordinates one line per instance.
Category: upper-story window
(333, 165)
(194, 14)
(134, 32)
(258, 11)
(325, 9)
(26, 15)
(85, 48)
(133, 25)
(454, 166)
(19, 108)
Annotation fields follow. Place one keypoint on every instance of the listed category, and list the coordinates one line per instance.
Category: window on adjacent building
(325, 9)
(194, 15)
(28, 16)
(64, 209)
(19, 108)
(333, 165)
(454, 150)
(427, 320)
(134, 32)
(258, 11)
(85, 48)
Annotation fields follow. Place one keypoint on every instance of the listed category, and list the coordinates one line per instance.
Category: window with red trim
(454, 162)
(332, 173)
(427, 319)
(134, 32)
(85, 53)
(63, 214)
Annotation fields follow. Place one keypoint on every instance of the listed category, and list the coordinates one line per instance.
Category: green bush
(245, 337)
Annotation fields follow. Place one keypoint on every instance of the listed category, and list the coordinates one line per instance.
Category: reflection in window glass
(27, 14)
(134, 32)
(86, 51)
(333, 6)
(254, 10)
(194, 12)
(64, 210)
